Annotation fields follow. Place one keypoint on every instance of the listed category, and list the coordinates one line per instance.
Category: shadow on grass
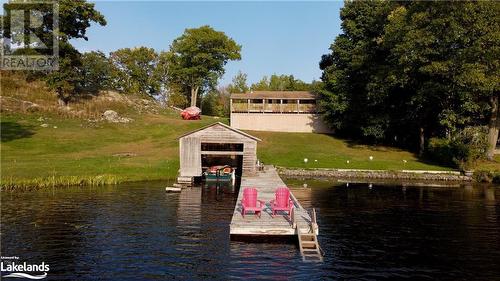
(355, 144)
(12, 130)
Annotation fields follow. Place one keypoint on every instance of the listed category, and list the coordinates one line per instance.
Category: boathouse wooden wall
(190, 148)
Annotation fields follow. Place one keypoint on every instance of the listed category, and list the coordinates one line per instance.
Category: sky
(285, 37)
(276, 37)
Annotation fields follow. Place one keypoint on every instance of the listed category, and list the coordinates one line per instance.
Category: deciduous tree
(197, 59)
(134, 70)
(238, 84)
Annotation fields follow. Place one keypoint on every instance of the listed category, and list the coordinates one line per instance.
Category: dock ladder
(308, 242)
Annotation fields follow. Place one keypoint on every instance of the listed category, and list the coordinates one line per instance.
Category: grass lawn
(78, 148)
(75, 148)
(71, 149)
(493, 166)
(325, 151)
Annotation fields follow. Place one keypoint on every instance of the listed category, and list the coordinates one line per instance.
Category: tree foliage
(95, 72)
(404, 71)
(238, 84)
(197, 59)
(280, 83)
(134, 70)
(216, 103)
(75, 16)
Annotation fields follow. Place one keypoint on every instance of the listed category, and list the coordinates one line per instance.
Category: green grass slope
(145, 149)
(325, 151)
(73, 147)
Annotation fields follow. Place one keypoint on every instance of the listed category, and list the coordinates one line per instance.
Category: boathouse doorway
(235, 161)
(213, 145)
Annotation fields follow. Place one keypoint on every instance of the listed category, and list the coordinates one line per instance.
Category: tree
(280, 83)
(162, 76)
(197, 59)
(355, 97)
(75, 16)
(134, 70)
(239, 83)
(216, 103)
(403, 72)
(447, 54)
(65, 81)
(95, 72)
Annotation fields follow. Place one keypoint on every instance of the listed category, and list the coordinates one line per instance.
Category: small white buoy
(348, 161)
(315, 160)
(370, 186)
(404, 161)
(305, 185)
(306, 160)
(347, 184)
(371, 158)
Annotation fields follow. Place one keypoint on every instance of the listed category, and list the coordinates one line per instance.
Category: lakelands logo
(29, 35)
(13, 268)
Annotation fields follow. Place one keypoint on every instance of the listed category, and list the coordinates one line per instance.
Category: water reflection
(139, 232)
(401, 231)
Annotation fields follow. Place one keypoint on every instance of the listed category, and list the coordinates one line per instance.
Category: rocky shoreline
(448, 176)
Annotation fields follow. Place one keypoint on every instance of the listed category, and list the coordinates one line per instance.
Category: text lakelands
(11, 267)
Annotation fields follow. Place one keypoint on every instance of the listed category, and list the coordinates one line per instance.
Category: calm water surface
(139, 232)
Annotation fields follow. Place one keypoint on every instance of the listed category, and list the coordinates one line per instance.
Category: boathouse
(216, 144)
(278, 111)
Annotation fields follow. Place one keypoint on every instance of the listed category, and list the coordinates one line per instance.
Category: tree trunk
(61, 100)
(194, 95)
(493, 125)
(421, 142)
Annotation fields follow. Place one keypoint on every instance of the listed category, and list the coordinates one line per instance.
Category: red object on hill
(191, 113)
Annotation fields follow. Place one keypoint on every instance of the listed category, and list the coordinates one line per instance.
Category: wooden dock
(266, 183)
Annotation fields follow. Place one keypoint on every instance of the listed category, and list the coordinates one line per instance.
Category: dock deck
(266, 183)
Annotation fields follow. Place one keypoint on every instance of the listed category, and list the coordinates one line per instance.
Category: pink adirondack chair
(282, 201)
(249, 203)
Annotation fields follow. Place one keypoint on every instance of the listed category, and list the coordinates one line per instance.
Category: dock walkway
(266, 183)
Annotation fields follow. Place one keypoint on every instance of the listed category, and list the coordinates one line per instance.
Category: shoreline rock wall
(375, 174)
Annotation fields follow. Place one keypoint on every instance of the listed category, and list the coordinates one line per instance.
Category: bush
(487, 176)
(462, 150)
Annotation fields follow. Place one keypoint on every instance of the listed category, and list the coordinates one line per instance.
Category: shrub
(483, 176)
(462, 150)
(487, 176)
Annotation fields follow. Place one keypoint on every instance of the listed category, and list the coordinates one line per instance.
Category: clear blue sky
(283, 37)
(277, 37)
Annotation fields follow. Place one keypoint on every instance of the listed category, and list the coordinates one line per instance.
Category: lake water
(139, 232)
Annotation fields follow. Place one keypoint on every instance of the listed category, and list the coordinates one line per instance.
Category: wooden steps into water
(309, 247)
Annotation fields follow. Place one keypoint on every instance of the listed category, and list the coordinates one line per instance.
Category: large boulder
(113, 117)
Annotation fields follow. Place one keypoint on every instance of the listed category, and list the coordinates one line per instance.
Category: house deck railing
(289, 107)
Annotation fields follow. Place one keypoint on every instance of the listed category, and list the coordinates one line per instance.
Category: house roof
(305, 95)
(225, 126)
